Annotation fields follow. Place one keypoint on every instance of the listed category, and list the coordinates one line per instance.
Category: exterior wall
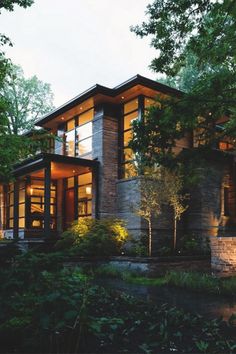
(223, 255)
(128, 198)
(105, 150)
(204, 216)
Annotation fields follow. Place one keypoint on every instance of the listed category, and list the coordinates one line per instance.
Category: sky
(75, 44)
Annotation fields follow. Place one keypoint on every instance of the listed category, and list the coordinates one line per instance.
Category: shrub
(90, 237)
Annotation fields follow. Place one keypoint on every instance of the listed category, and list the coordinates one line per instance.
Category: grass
(189, 280)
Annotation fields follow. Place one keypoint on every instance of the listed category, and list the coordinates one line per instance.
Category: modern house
(87, 171)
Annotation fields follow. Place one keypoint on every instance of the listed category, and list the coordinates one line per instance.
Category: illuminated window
(75, 136)
(85, 194)
(37, 204)
(131, 113)
(10, 206)
(223, 145)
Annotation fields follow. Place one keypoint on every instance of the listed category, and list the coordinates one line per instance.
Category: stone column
(105, 150)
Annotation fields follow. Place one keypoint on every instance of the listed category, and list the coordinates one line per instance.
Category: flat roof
(110, 92)
(39, 161)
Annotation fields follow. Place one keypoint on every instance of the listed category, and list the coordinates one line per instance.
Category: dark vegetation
(46, 308)
(189, 280)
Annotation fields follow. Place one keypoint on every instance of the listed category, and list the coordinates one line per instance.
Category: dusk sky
(75, 44)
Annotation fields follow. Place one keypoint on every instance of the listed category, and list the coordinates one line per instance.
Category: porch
(50, 191)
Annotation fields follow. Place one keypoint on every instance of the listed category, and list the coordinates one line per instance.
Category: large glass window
(37, 204)
(70, 143)
(85, 194)
(10, 206)
(130, 110)
(84, 134)
(75, 136)
(21, 204)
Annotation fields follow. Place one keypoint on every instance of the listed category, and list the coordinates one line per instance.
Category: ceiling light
(62, 118)
(122, 98)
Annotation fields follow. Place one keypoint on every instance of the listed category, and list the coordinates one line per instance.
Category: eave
(109, 93)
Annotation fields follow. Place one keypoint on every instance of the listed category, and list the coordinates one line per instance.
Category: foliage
(204, 26)
(91, 237)
(194, 37)
(202, 282)
(9, 4)
(159, 187)
(186, 77)
(189, 280)
(26, 100)
(152, 197)
(12, 148)
(45, 308)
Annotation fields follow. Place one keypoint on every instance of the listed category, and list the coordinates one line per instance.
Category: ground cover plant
(48, 308)
(189, 280)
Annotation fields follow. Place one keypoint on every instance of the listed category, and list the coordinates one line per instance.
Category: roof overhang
(108, 93)
(41, 161)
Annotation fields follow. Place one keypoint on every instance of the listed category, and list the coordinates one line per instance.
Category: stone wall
(128, 197)
(223, 255)
(105, 150)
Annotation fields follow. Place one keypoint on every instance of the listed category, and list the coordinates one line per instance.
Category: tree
(173, 182)
(26, 100)
(13, 147)
(206, 27)
(9, 4)
(153, 195)
(205, 30)
(187, 76)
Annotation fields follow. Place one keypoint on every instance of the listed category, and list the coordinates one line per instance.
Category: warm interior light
(73, 171)
(81, 107)
(62, 118)
(88, 190)
(31, 191)
(122, 98)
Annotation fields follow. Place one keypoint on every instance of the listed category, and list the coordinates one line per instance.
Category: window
(59, 143)
(70, 143)
(37, 204)
(85, 194)
(21, 207)
(84, 134)
(130, 110)
(10, 206)
(75, 136)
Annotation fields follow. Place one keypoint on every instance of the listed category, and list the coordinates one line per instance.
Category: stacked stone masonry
(223, 254)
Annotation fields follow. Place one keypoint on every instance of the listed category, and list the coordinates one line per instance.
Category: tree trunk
(150, 236)
(175, 233)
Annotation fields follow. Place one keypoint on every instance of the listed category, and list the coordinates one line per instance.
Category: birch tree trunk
(150, 236)
(175, 233)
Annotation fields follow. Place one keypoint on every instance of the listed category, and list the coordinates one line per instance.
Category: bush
(48, 309)
(90, 237)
